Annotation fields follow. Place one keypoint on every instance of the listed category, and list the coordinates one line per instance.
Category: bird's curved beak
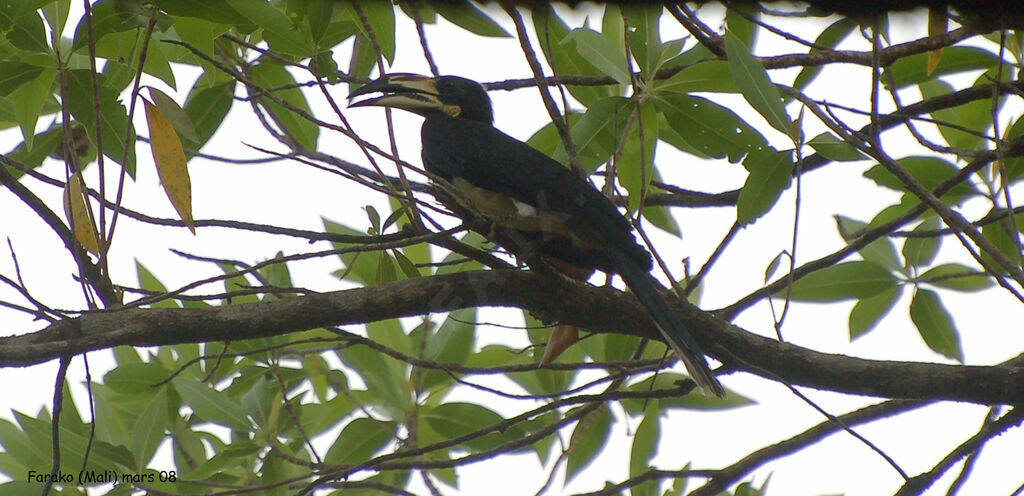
(411, 92)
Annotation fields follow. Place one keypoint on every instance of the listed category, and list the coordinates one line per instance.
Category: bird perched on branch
(535, 207)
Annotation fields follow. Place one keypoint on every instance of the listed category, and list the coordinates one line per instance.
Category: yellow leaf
(78, 215)
(170, 163)
(937, 24)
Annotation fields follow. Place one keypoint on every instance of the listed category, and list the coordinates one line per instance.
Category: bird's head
(450, 95)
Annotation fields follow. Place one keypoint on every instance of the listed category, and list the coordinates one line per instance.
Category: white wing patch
(525, 209)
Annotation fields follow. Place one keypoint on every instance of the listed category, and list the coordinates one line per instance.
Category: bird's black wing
(489, 159)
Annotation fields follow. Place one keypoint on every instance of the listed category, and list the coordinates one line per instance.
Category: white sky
(288, 194)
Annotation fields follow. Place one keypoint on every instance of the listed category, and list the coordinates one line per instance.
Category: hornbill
(535, 207)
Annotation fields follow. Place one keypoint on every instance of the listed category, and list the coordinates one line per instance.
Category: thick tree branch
(550, 297)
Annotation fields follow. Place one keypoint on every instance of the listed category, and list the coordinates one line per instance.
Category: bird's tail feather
(678, 338)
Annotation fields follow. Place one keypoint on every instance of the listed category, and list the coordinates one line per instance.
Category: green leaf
(206, 108)
(149, 282)
(755, 86)
(56, 14)
(362, 61)
(975, 115)
(1002, 236)
(385, 269)
(105, 21)
(278, 30)
(563, 56)
(712, 129)
(662, 218)
(598, 132)
(706, 76)
(374, 217)
(929, 171)
(174, 114)
(391, 334)
(271, 74)
(390, 387)
(1014, 165)
(467, 16)
(887, 214)
(450, 267)
(451, 343)
(409, 269)
(914, 68)
(228, 455)
(42, 145)
(220, 12)
(868, 312)
(324, 66)
(110, 423)
(847, 280)
(277, 275)
(935, 325)
(149, 429)
(613, 28)
(113, 117)
(18, 444)
(319, 417)
(748, 489)
(547, 140)
(28, 100)
(544, 445)
(261, 402)
(235, 283)
(645, 41)
(318, 15)
(835, 149)
(418, 254)
(73, 446)
(742, 28)
(126, 354)
(359, 440)
(881, 251)
(588, 439)
(958, 277)
(136, 377)
(381, 18)
(122, 53)
(829, 37)
(600, 52)
(27, 33)
(200, 34)
(771, 172)
(455, 419)
(189, 451)
(919, 251)
(635, 168)
(611, 347)
(13, 74)
(211, 405)
(645, 442)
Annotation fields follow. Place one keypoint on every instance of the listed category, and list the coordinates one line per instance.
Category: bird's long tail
(678, 338)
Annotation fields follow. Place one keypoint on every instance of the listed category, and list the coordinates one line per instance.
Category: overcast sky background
(293, 195)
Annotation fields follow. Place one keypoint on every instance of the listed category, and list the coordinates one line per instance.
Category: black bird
(536, 208)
